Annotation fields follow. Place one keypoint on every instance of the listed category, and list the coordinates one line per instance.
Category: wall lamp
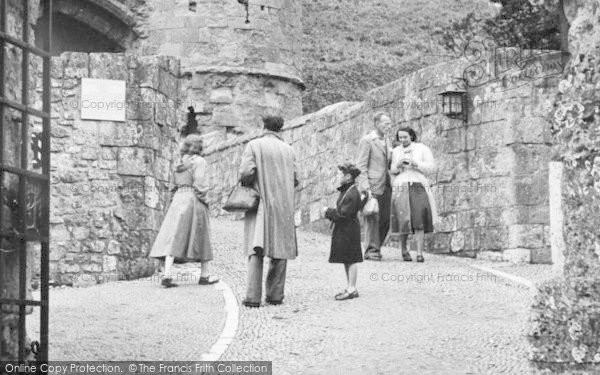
(454, 102)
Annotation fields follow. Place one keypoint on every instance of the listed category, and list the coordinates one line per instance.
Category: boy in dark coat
(345, 241)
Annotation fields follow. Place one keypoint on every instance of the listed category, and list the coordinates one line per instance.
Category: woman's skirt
(411, 210)
(185, 232)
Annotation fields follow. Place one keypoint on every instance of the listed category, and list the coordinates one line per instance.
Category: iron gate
(24, 213)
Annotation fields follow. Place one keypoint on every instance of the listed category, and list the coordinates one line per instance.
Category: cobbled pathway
(133, 320)
(437, 317)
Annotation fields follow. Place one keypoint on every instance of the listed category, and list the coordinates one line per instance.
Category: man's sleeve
(362, 163)
(296, 171)
(247, 169)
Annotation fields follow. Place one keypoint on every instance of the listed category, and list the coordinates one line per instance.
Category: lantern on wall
(454, 102)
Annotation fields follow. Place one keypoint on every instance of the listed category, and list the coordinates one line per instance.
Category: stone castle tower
(234, 72)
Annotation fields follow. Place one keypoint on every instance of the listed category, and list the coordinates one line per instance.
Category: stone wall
(109, 179)
(565, 320)
(491, 184)
(233, 101)
(214, 32)
(234, 72)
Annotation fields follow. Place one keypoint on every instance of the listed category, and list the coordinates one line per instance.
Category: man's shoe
(420, 258)
(273, 302)
(406, 257)
(250, 303)
(167, 282)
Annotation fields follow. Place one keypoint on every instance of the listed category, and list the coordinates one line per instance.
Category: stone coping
(346, 110)
(238, 70)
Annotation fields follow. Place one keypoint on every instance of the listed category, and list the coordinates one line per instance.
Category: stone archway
(90, 26)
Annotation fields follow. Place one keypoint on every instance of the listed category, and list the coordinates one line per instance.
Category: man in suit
(373, 160)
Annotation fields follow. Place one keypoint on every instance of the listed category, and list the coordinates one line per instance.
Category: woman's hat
(350, 169)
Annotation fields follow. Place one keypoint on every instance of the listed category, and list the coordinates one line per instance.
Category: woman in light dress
(413, 205)
(185, 231)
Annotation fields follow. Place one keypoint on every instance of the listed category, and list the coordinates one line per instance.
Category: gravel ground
(439, 317)
(134, 320)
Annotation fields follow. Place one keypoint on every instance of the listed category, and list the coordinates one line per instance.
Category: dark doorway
(73, 36)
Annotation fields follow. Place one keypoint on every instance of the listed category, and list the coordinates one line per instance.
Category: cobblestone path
(133, 320)
(437, 317)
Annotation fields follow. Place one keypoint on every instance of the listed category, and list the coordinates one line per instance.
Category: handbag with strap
(371, 207)
(242, 199)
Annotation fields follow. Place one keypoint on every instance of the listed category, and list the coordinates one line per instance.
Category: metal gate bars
(24, 189)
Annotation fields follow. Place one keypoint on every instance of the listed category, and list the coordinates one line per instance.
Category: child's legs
(346, 268)
(352, 274)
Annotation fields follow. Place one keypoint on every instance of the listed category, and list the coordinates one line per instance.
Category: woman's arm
(426, 164)
(200, 184)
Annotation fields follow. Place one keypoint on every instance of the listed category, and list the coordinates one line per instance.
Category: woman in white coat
(413, 206)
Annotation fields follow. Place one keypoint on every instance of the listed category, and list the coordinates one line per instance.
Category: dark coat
(345, 240)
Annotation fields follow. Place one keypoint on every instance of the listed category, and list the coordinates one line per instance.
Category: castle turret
(235, 71)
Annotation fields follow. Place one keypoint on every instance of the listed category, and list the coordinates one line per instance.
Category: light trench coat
(185, 230)
(271, 227)
(423, 157)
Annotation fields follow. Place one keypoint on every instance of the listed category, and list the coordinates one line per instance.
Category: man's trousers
(275, 279)
(377, 226)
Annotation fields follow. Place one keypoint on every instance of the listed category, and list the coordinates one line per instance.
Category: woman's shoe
(420, 258)
(167, 282)
(372, 255)
(340, 293)
(344, 296)
(406, 257)
(208, 280)
(250, 303)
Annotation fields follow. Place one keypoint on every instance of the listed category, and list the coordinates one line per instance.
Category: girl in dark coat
(345, 240)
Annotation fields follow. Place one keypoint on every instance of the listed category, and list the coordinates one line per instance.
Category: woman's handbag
(371, 207)
(242, 199)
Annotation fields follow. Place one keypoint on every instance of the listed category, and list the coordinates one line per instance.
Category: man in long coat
(373, 160)
(268, 165)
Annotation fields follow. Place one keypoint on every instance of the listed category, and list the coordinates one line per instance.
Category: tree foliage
(525, 24)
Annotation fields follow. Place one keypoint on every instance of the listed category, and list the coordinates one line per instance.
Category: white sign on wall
(102, 99)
